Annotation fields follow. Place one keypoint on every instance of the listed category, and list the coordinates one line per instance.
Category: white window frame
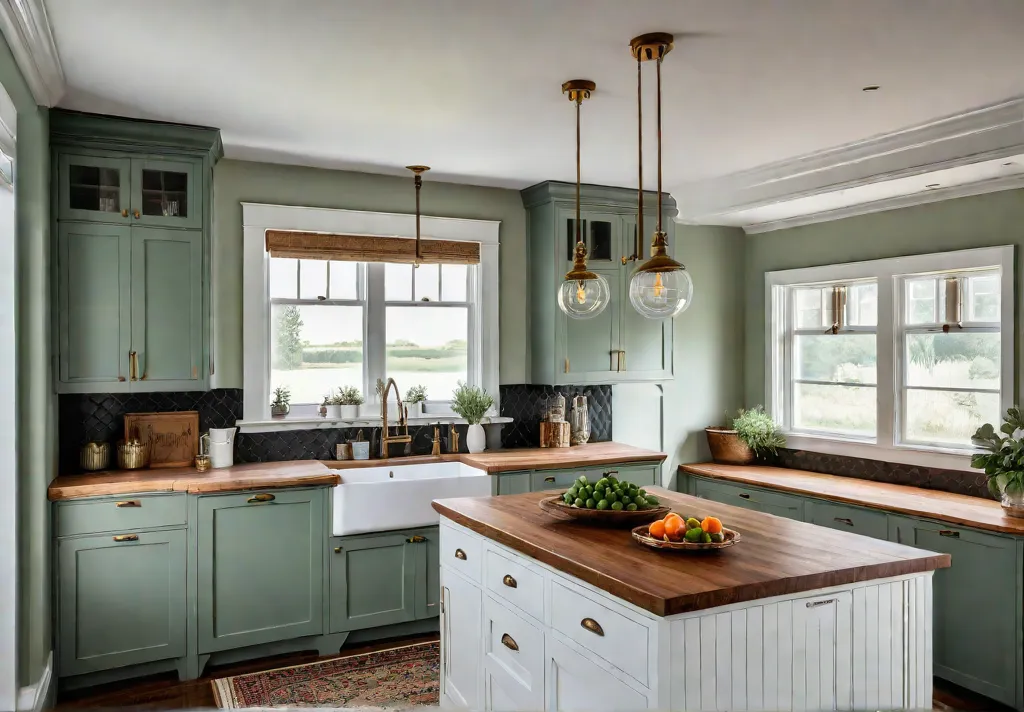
(889, 274)
(257, 218)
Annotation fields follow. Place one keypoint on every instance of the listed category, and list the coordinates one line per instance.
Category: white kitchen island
(538, 613)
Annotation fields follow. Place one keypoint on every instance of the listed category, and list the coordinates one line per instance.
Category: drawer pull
(609, 473)
(126, 537)
(949, 533)
(337, 550)
(129, 503)
(549, 479)
(843, 520)
(815, 604)
(744, 495)
(509, 581)
(261, 497)
(593, 626)
(509, 643)
(460, 554)
(417, 539)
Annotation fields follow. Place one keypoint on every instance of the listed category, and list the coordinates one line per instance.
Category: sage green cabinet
(94, 304)
(374, 580)
(121, 600)
(260, 567)
(856, 520)
(618, 345)
(94, 188)
(781, 505)
(164, 193)
(977, 605)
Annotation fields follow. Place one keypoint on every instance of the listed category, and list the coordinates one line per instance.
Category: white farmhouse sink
(375, 499)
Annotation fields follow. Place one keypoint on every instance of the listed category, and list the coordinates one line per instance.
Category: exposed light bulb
(581, 293)
(659, 287)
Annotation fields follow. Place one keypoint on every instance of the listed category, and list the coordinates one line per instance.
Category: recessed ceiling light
(933, 186)
(871, 87)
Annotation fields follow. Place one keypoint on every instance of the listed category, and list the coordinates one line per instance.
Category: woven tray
(601, 517)
(643, 537)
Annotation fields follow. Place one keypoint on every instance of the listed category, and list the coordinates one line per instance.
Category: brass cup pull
(609, 473)
(124, 212)
(460, 554)
(843, 520)
(126, 537)
(129, 503)
(261, 497)
(549, 479)
(509, 581)
(744, 496)
(949, 533)
(593, 626)
(416, 539)
(509, 642)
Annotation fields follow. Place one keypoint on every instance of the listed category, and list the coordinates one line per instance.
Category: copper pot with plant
(753, 435)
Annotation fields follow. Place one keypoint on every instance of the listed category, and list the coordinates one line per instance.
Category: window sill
(944, 459)
(318, 423)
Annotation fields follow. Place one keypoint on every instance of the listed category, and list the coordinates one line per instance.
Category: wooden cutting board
(173, 437)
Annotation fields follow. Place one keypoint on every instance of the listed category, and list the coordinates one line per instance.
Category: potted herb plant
(414, 399)
(279, 407)
(753, 434)
(1004, 462)
(331, 407)
(472, 403)
(349, 398)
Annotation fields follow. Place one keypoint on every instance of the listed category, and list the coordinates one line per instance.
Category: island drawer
(513, 659)
(461, 551)
(512, 580)
(599, 628)
(122, 513)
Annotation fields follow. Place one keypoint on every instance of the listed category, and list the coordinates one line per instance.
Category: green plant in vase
(1004, 462)
(472, 403)
(279, 407)
(415, 397)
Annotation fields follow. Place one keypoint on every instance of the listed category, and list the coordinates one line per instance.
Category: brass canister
(94, 456)
(132, 455)
(202, 462)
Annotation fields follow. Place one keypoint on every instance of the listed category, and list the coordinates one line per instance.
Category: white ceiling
(471, 87)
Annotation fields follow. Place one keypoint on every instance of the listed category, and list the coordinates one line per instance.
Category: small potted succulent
(472, 403)
(331, 407)
(1004, 462)
(753, 434)
(414, 399)
(349, 398)
(279, 407)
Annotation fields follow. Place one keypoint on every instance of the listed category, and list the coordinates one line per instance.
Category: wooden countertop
(916, 501)
(262, 475)
(776, 557)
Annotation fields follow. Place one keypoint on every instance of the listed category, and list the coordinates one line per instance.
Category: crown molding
(985, 133)
(26, 27)
(901, 201)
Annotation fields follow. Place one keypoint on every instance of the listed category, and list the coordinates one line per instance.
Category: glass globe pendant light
(660, 288)
(583, 294)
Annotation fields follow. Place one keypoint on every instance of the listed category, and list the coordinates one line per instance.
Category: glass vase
(1013, 502)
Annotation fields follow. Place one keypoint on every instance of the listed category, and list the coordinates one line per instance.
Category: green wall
(235, 182)
(978, 221)
(36, 402)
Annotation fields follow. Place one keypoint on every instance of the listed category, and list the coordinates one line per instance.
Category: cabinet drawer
(782, 505)
(513, 581)
(600, 629)
(513, 659)
(848, 519)
(461, 551)
(121, 513)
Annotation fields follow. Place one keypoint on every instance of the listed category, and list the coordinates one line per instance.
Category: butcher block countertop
(776, 557)
(264, 475)
(537, 458)
(916, 501)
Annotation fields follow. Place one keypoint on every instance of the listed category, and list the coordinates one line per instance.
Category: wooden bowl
(601, 517)
(642, 536)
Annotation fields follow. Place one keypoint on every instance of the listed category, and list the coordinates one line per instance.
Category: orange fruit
(675, 528)
(672, 515)
(657, 529)
(712, 525)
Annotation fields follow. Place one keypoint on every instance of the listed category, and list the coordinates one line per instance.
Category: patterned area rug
(401, 677)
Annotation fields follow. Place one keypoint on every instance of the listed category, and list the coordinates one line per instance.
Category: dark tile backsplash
(524, 403)
(100, 417)
(969, 483)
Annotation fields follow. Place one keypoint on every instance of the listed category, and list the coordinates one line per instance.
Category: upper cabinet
(132, 222)
(618, 345)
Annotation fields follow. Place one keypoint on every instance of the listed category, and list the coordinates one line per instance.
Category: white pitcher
(222, 447)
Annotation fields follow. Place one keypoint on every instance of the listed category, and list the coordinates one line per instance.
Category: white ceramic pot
(416, 409)
(333, 412)
(476, 440)
(349, 412)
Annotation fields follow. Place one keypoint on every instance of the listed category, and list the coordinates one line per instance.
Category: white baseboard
(31, 698)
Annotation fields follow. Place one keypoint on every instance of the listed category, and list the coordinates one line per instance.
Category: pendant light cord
(638, 237)
(658, 65)
(579, 102)
(419, 184)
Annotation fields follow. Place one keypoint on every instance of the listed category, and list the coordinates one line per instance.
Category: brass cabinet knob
(337, 550)
(509, 581)
(593, 626)
(416, 539)
(136, 215)
(460, 554)
(126, 537)
(261, 497)
(509, 642)
(124, 212)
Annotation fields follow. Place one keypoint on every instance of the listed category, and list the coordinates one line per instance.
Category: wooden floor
(165, 692)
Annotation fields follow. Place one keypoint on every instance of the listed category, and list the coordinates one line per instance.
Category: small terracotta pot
(727, 448)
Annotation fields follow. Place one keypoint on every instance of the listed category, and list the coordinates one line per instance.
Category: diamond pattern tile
(524, 403)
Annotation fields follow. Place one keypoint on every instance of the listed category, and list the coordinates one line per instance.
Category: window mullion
(374, 330)
(886, 362)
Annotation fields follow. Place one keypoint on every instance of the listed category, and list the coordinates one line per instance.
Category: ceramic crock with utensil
(222, 447)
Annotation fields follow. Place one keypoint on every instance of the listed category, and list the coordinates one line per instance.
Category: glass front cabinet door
(94, 188)
(164, 193)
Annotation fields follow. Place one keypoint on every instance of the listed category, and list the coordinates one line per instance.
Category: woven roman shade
(369, 248)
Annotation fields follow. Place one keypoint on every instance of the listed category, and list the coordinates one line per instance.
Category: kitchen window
(898, 359)
(314, 325)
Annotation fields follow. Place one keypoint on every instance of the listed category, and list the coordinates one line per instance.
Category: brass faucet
(453, 438)
(402, 436)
